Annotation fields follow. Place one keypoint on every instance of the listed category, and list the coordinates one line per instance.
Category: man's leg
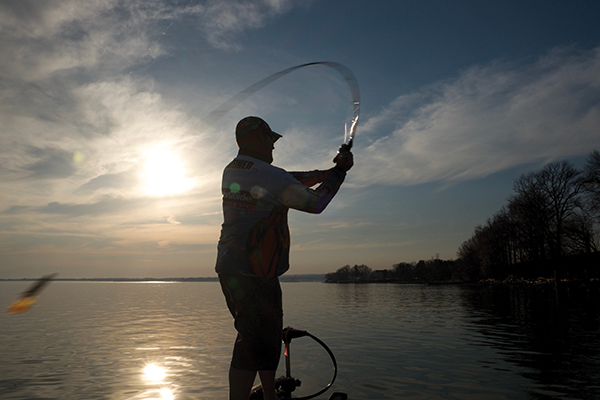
(267, 380)
(256, 306)
(240, 383)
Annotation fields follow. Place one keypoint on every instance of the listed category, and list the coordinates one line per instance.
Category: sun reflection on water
(154, 373)
(166, 394)
(156, 394)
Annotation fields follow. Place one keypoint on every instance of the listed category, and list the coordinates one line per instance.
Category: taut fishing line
(348, 76)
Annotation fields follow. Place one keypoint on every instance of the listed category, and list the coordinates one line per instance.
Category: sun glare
(163, 173)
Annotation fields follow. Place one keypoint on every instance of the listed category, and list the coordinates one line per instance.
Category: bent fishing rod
(348, 76)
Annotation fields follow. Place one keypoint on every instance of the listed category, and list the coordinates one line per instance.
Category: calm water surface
(125, 341)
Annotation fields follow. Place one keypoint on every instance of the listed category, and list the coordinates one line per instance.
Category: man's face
(267, 144)
(259, 140)
(271, 137)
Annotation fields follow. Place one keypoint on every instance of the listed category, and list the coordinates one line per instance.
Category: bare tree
(580, 235)
(545, 200)
(562, 184)
(591, 184)
(530, 208)
(469, 262)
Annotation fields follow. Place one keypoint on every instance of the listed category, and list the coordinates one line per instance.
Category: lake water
(94, 340)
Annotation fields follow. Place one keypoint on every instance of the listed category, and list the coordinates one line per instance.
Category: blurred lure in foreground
(28, 298)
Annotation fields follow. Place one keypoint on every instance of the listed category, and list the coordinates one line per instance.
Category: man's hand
(344, 161)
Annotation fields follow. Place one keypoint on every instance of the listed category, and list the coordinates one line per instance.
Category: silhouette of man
(253, 249)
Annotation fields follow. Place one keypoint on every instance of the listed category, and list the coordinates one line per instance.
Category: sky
(109, 169)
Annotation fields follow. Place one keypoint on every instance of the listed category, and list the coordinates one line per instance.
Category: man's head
(254, 136)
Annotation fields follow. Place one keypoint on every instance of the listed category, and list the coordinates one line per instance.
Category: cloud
(38, 39)
(117, 181)
(222, 21)
(41, 39)
(52, 164)
(488, 119)
(106, 205)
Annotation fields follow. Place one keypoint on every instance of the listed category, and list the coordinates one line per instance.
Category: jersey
(255, 238)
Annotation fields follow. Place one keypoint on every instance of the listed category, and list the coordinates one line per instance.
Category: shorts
(256, 306)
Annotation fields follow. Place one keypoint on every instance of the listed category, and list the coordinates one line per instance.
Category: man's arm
(311, 178)
(300, 197)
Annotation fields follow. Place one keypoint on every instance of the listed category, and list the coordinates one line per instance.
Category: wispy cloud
(222, 22)
(486, 120)
(41, 38)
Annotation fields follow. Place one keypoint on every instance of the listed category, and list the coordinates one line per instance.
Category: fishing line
(348, 76)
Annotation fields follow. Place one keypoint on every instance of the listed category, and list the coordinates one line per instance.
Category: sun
(163, 173)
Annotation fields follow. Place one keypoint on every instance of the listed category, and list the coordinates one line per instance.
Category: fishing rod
(348, 76)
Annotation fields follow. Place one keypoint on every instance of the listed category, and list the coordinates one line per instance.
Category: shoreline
(283, 278)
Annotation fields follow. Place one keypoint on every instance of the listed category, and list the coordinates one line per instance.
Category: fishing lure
(29, 297)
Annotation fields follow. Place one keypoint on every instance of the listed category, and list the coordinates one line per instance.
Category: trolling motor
(285, 385)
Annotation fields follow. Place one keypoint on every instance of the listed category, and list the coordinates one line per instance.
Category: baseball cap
(250, 124)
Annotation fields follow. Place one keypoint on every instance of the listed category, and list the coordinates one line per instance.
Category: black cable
(296, 334)
(316, 339)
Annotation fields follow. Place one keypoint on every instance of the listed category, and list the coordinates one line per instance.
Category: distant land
(283, 278)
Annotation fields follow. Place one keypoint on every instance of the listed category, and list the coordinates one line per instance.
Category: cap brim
(276, 135)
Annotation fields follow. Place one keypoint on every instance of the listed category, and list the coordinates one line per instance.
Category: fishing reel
(343, 151)
(285, 385)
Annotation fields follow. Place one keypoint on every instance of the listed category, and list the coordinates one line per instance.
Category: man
(253, 250)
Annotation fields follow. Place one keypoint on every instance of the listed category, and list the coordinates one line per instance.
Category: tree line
(550, 227)
(430, 271)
